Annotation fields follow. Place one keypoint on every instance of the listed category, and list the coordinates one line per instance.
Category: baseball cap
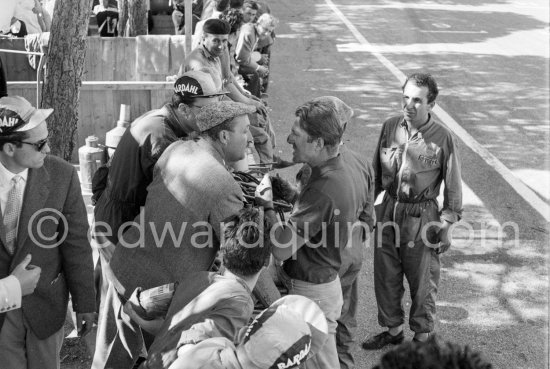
(343, 111)
(280, 336)
(18, 115)
(196, 84)
(218, 112)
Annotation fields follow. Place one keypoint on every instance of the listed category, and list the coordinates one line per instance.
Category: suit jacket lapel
(36, 193)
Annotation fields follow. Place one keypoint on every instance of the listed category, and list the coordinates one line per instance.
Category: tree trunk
(64, 67)
(132, 17)
(123, 17)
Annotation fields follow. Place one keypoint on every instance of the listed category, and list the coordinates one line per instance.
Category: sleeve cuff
(13, 296)
(450, 216)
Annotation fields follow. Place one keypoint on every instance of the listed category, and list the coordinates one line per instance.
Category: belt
(410, 201)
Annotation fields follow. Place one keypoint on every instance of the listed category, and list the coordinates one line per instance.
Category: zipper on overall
(400, 173)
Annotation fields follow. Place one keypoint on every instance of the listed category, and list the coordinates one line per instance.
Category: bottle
(90, 157)
(112, 138)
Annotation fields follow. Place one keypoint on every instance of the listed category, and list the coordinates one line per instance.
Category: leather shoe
(383, 339)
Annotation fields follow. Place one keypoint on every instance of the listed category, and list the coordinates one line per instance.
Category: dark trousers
(252, 79)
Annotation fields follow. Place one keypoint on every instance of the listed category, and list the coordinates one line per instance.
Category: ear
(319, 143)
(431, 105)
(223, 135)
(184, 109)
(8, 149)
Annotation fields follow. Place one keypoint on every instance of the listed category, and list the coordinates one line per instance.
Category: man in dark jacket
(43, 214)
(131, 169)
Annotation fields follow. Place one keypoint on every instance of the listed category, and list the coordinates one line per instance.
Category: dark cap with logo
(18, 115)
(196, 84)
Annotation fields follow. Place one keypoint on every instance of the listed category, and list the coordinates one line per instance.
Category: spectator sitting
(250, 10)
(235, 19)
(250, 68)
(209, 304)
(433, 354)
(107, 19)
(285, 335)
(178, 15)
(219, 7)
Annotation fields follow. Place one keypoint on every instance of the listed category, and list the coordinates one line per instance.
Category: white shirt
(10, 294)
(5, 185)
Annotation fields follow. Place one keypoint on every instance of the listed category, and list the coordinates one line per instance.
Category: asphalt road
(491, 61)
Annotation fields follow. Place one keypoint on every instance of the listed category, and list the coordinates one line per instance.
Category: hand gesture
(28, 275)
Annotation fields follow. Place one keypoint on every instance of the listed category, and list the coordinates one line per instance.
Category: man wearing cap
(331, 214)
(131, 168)
(415, 154)
(178, 230)
(43, 215)
(213, 304)
(285, 335)
(213, 53)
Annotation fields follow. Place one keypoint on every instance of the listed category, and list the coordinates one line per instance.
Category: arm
(311, 211)
(377, 166)
(452, 194)
(10, 294)
(76, 254)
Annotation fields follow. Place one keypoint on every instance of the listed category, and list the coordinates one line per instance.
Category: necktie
(11, 213)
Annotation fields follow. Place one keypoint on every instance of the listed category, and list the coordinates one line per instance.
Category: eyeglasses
(39, 145)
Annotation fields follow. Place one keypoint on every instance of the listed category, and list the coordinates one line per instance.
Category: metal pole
(188, 25)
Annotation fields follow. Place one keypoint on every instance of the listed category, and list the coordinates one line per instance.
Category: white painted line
(522, 190)
(466, 32)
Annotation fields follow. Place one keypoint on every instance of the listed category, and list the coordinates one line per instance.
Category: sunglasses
(39, 145)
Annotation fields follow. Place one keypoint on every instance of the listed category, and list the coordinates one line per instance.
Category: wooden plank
(17, 66)
(130, 59)
(106, 85)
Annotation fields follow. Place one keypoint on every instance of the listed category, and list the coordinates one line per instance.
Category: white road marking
(522, 190)
(466, 32)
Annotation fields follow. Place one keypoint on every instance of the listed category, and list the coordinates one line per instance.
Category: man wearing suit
(43, 214)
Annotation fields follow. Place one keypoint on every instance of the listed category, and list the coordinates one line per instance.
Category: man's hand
(260, 107)
(27, 275)
(445, 241)
(84, 323)
(262, 71)
(283, 189)
(152, 326)
(264, 60)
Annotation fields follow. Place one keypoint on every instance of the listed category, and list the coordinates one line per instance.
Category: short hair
(320, 120)
(267, 20)
(246, 247)
(178, 99)
(221, 5)
(235, 4)
(251, 4)
(234, 17)
(14, 137)
(426, 80)
(434, 354)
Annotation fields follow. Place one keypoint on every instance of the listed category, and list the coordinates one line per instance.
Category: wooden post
(188, 25)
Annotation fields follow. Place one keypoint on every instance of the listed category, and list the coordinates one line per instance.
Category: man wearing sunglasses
(43, 214)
